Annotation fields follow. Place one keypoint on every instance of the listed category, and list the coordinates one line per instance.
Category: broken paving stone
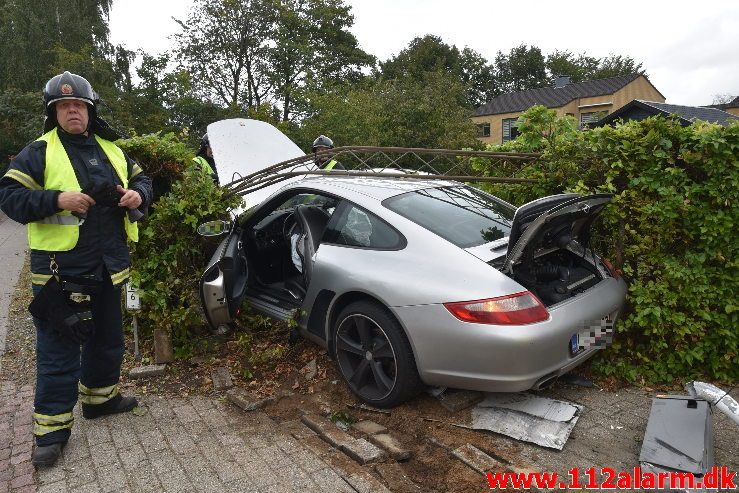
(221, 378)
(326, 430)
(362, 451)
(369, 427)
(297, 429)
(393, 447)
(456, 400)
(310, 370)
(246, 400)
(147, 371)
(477, 459)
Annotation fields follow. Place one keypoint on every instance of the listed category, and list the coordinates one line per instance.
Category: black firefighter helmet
(67, 86)
(73, 86)
(322, 141)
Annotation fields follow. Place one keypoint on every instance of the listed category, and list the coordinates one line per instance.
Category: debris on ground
(539, 420)
(679, 436)
(718, 398)
(221, 378)
(147, 371)
(310, 370)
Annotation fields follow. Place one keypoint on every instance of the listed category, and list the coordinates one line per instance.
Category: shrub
(170, 255)
(671, 228)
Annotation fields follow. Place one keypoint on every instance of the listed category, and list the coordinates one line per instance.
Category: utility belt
(65, 303)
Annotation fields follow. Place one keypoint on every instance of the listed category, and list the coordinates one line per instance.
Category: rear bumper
(495, 358)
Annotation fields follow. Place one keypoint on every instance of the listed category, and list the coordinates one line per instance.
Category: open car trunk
(548, 247)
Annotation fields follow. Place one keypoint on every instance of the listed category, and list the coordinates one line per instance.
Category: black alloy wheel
(374, 356)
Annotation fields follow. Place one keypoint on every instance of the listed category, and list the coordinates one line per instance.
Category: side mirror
(214, 228)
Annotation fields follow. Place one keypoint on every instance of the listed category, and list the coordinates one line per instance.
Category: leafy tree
(402, 112)
(614, 65)
(313, 46)
(246, 53)
(479, 77)
(424, 54)
(224, 46)
(31, 30)
(578, 68)
(430, 54)
(522, 68)
(21, 121)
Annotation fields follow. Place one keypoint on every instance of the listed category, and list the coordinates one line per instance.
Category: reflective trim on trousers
(40, 279)
(43, 424)
(97, 396)
(119, 277)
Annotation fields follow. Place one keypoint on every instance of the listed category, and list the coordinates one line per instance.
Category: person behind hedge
(204, 159)
(70, 234)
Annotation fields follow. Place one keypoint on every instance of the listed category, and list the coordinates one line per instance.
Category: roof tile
(552, 97)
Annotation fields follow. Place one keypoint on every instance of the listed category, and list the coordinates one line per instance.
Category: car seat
(312, 221)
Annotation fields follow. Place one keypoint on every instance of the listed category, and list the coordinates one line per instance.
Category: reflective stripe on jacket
(60, 232)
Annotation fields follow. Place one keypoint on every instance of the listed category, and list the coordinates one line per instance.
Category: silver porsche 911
(413, 282)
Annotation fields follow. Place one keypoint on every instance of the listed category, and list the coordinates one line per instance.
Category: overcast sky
(690, 49)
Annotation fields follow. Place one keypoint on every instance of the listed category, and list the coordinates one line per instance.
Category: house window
(591, 117)
(510, 131)
(483, 130)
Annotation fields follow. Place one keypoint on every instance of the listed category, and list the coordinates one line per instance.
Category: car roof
(378, 188)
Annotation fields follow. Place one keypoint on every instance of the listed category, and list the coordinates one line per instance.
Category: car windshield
(462, 215)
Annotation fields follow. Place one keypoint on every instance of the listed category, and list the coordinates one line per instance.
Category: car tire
(374, 355)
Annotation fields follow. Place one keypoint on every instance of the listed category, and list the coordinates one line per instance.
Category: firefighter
(73, 236)
(204, 159)
(324, 162)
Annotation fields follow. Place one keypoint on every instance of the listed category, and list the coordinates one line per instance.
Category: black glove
(107, 194)
(67, 307)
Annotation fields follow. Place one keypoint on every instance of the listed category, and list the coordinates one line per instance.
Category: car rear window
(461, 215)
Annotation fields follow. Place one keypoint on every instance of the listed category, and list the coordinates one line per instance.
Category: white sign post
(133, 303)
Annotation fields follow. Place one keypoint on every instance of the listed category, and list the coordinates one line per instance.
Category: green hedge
(672, 229)
(170, 256)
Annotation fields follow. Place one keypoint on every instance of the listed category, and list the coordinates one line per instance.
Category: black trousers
(61, 364)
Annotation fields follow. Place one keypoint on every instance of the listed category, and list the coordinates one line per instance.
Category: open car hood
(552, 222)
(242, 147)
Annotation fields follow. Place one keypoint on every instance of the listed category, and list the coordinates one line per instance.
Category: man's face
(72, 115)
(321, 149)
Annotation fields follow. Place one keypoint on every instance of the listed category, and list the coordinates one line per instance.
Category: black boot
(46, 455)
(117, 404)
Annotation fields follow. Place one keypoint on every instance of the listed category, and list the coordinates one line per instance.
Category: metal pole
(136, 353)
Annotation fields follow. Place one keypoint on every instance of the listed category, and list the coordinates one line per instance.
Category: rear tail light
(614, 271)
(514, 309)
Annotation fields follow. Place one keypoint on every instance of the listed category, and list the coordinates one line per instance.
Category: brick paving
(16, 407)
(176, 445)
